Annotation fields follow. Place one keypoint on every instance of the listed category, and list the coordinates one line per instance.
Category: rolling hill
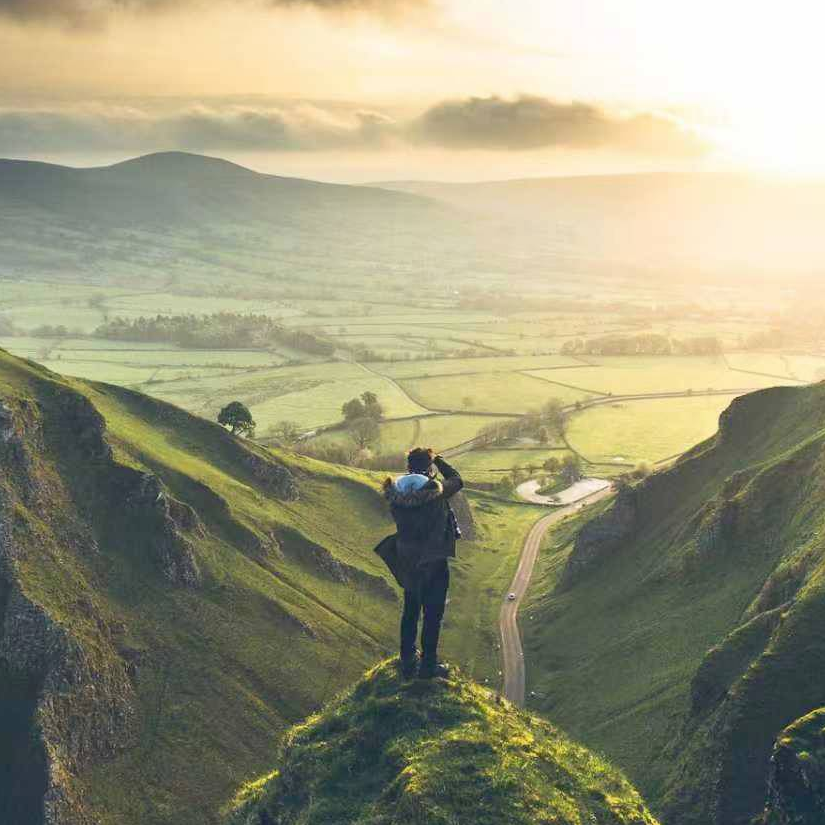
(734, 226)
(434, 753)
(163, 217)
(680, 631)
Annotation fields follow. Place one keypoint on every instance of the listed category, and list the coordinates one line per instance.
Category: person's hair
(420, 459)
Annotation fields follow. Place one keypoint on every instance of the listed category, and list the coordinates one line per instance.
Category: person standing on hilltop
(417, 554)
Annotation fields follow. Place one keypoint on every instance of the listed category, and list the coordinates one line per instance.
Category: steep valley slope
(172, 598)
(680, 630)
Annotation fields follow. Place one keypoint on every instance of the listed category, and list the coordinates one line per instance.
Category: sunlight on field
(649, 431)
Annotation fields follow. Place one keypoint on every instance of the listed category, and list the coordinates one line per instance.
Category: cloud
(527, 123)
(92, 13)
(530, 122)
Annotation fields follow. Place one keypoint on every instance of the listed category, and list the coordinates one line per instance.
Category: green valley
(677, 631)
(177, 597)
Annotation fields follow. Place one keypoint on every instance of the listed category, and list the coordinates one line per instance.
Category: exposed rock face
(84, 703)
(796, 784)
(19, 432)
(6, 423)
(86, 426)
(163, 518)
(602, 537)
(272, 475)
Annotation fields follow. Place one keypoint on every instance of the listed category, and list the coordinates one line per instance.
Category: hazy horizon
(465, 91)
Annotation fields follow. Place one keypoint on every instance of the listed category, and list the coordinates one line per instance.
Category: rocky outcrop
(83, 424)
(601, 538)
(162, 519)
(83, 698)
(796, 784)
(7, 428)
(271, 475)
(19, 434)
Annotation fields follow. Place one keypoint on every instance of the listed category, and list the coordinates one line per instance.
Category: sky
(358, 90)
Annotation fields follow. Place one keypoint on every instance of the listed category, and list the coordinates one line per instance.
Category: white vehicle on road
(511, 597)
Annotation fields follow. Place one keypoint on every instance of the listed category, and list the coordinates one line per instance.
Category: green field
(650, 374)
(491, 465)
(472, 366)
(633, 431)
(497, 392)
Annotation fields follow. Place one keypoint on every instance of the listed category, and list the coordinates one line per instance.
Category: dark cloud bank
(525, 123)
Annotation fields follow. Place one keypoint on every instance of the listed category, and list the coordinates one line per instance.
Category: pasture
(421, 348)
(630, 375)
(629, 432)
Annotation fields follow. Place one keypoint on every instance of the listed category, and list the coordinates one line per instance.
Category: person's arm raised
(452, 480)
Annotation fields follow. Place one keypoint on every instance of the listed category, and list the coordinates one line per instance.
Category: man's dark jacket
(425, 530)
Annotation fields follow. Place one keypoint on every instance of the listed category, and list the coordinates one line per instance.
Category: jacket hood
(412, 498)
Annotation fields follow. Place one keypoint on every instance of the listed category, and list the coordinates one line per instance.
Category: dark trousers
(431, 597)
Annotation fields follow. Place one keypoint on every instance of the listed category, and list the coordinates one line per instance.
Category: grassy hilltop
(435, 753)
(172, 598)
(686, 621)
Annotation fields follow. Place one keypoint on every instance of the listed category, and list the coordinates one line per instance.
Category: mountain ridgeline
(701, 592)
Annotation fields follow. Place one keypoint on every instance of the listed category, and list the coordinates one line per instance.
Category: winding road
(512, 654)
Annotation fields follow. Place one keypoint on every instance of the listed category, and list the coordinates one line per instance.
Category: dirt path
(512, 654)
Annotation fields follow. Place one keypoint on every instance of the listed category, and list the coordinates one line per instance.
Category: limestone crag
(602, 537)
(796, 783)
(272, 475)
(84, 700)
(163, 520)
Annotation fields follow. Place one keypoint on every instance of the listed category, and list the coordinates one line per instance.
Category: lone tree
(364, 431)
(236, 417)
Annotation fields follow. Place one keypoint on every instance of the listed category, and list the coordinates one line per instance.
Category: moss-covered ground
(444, 752)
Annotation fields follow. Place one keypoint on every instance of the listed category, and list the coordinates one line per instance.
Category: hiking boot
(433, 670)
(409, 665)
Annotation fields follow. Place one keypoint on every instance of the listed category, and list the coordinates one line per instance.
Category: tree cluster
(362, 416)
(543, 425)
(644, 344)
(220, 330)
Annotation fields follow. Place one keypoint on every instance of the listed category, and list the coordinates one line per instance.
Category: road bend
(512, 654)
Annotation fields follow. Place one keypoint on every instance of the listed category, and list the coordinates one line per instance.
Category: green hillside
(686, 621)
(434, 753)
(193, 222)
(172, 598)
